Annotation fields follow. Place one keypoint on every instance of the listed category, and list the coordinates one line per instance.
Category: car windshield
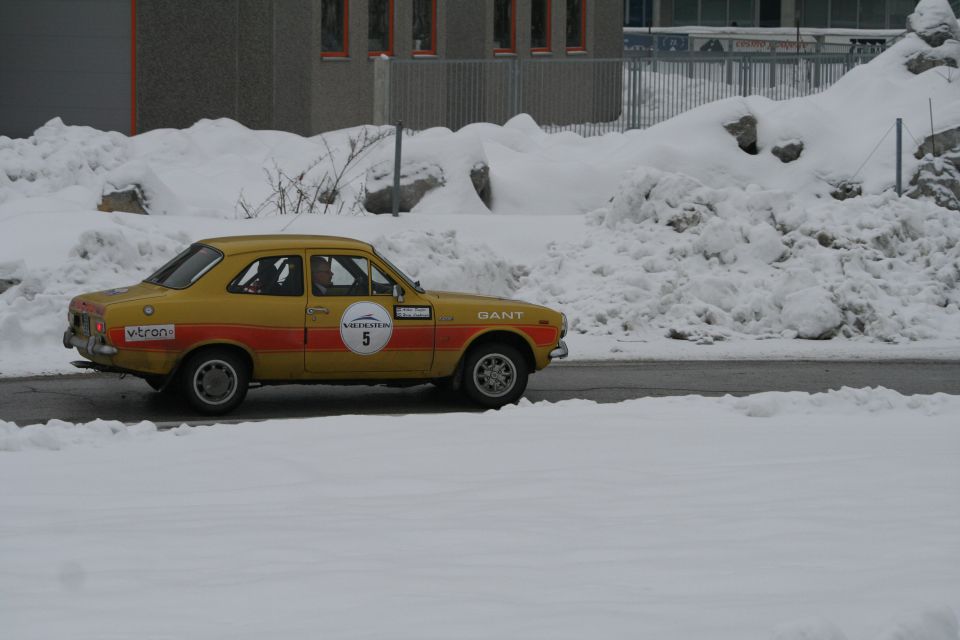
(415, 285)
(186, 268)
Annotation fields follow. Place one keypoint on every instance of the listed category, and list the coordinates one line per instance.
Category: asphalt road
(81, 398)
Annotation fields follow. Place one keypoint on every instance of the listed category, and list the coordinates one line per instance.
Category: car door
(354, 325)
(263, 309)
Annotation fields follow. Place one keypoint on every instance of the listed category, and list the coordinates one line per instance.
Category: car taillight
(101, 326)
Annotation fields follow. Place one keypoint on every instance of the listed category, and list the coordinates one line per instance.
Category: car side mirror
(398, 292)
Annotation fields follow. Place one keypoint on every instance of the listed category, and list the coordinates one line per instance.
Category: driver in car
(321, 275)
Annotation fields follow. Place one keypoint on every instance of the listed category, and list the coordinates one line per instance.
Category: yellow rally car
(277, 309)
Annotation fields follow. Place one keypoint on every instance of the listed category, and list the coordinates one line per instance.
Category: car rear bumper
(90, 345)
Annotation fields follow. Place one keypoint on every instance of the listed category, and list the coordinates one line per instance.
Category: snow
(934, 16)
(781, 515)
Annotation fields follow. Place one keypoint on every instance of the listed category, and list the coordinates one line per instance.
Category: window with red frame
(504, 26)
(576, 25)
(540, 25)
(424, 26)
(333, 28)
(380, 29)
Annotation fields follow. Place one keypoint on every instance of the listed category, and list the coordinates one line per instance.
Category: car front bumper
(560, 352)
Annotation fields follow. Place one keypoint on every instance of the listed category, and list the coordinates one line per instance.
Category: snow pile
(57, 434)
(708, 264)
(934, 19)
(56, 157)
(32, 313)
(788, 516)
(447, 263)
(158, 198)
(936, 624)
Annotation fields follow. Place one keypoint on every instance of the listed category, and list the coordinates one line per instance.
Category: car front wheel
(495, 375)
(158, 384)
(215, 381)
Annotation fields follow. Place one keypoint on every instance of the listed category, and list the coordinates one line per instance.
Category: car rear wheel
(215, 381)
(495, 375)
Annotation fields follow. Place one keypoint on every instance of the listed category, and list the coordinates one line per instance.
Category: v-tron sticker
(145, 333)
(412, 312)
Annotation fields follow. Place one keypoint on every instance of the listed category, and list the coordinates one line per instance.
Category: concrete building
(823, 14)
(304, 66)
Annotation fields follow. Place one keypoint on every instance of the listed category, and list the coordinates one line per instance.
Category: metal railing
(639, 42)
(590, 96)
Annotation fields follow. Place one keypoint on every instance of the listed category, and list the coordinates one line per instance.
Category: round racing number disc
(365, 327)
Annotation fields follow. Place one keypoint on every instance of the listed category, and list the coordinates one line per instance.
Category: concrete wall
(292, 65)
(575, 90)
(241, 59)
(260, 62)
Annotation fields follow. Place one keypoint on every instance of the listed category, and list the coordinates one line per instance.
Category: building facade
(304, 66)
(819, 14)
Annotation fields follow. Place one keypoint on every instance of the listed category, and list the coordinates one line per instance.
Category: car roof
(230, 245)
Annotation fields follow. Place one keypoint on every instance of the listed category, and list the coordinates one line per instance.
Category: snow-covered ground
(781, 516)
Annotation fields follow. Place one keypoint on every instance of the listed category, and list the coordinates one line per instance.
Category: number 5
(366, 338)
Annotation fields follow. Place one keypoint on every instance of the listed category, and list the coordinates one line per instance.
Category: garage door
(66, 58)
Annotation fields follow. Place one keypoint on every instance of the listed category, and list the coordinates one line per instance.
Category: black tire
(494, 375)
(443, 384)
(215, 380)
(156, 383)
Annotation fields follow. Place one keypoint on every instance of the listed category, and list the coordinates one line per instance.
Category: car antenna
(294, 217)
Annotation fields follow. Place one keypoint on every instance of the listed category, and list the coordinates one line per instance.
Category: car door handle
(313, 310)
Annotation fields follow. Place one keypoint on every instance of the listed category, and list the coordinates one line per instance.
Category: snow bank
(57, 434)
(56, 157)
(787, 516)
(934, 17)
(706, 263)
(107, 251)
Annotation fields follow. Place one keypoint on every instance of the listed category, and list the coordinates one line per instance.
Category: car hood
(452, 297)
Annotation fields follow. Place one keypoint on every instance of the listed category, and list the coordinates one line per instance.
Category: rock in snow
(416, 179)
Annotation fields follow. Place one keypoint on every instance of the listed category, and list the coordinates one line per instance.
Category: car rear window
(186, 268)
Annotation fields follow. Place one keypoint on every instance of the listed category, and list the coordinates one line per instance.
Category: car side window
(333, 275)
(381, 283)
(272, 276)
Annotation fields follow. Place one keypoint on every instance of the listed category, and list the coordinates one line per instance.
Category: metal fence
(592, 97)
(640, 42)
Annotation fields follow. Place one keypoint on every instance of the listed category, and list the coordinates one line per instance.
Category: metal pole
(818, 48)
(899, 156)
(773, 66)
(933, 136)
(396, 171)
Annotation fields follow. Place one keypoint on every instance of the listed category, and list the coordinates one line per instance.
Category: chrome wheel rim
(494, 375)
(215, 382)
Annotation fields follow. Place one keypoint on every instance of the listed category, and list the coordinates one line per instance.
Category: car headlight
(563, 325)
